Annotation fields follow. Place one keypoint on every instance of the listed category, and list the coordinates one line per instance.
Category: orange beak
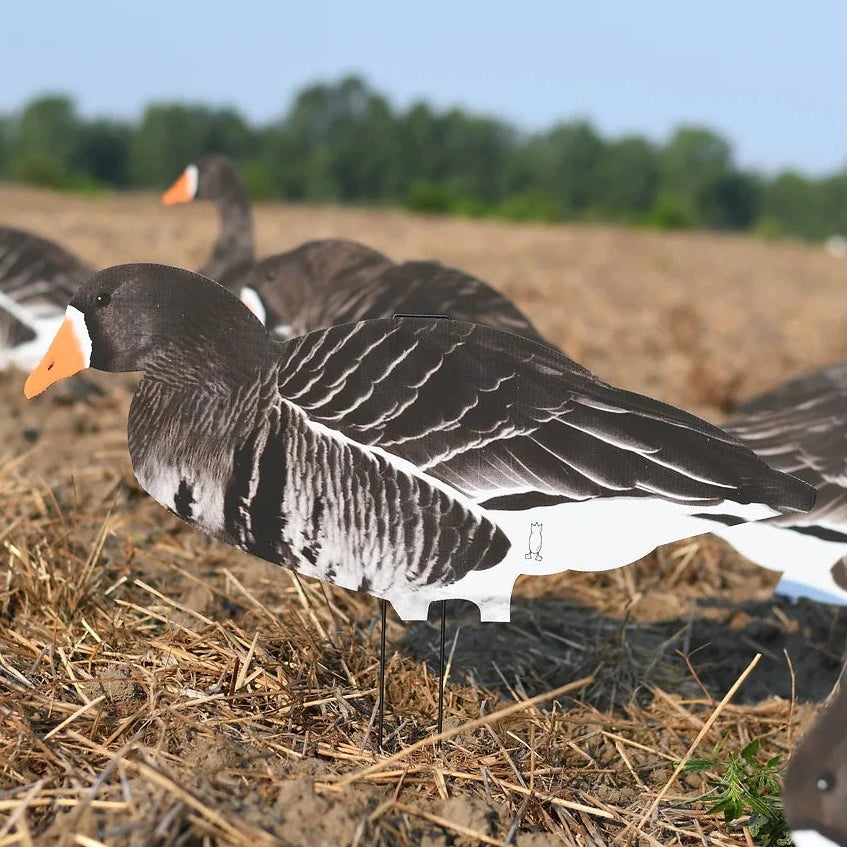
(66, 356)
(182, 191)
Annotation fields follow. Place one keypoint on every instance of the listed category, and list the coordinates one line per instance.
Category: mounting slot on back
(419, 315)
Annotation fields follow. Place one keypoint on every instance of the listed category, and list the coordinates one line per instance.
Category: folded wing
(505, 420)
(38, 273)
(801, 428)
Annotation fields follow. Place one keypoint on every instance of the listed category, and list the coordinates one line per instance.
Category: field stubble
(156, 689)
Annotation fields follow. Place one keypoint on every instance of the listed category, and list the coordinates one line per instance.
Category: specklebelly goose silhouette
(329, 282)
(37, 279)
(815, 788)
(800, 427)
(216, 178)
(412, 459)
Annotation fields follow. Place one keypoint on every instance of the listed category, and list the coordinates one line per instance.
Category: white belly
(594, 535)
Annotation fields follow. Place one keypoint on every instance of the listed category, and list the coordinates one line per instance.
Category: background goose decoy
(411, 459)
(815, 789)
(306, 288)
(37, 278)
(328, 282)
(800, 428)
(217, 178)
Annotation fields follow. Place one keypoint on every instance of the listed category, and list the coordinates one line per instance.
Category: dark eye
(103, 300)
(825, 782)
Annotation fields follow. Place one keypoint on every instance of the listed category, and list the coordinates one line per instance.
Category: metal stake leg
(381, 713)
(441, 669)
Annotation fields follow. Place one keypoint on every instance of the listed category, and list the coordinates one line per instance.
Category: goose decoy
(217, 178)
(815, 788)
(37, 278)
(328, 282)
(400, 457)
(800, 428)
(413, 459)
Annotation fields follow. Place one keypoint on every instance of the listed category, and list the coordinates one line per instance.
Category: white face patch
(77, 321)
(254, 303)
(810, 838)
(192, 174)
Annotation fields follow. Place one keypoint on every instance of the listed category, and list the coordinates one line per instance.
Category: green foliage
(729, 201)
(47, 127)
(671, 212)
(436, 198)
(534, 204)
(170, 136)
(343, 141)
(257, 179)
(39, 168)
(469, 207)
(6, 135)
(628, 180)
(746, 786)
(429, 197)
(769, 228)
(102, 153)
(566, 161)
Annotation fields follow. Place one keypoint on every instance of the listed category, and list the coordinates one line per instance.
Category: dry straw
(157, 689)
(193, 697)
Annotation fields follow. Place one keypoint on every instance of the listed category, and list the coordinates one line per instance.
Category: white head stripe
(192, 174)
(254, 303)
(77, 321)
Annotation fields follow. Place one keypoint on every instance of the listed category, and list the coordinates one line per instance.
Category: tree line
(344, 142)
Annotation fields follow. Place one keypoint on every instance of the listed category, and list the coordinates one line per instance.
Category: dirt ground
(156, 689)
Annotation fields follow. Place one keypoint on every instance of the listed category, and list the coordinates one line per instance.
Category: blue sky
(769, 75)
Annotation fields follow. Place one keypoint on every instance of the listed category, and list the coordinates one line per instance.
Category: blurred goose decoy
(37, 279)
(815, 789)
(800, 428)
(329, 282)
(305, 288)
(217, 178)
(412, 459)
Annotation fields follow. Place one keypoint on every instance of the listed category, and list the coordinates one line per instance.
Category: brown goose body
(329, 282)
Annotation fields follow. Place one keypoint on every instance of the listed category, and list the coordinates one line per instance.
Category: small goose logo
(535, 542)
